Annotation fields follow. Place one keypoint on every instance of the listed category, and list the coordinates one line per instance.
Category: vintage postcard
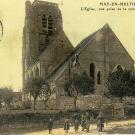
(67, 67)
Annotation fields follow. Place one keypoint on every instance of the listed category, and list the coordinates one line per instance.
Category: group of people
(85, 122)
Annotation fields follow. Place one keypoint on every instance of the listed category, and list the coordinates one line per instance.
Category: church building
(48, 53)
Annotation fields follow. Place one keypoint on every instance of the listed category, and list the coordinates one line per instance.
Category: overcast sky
(77, 25)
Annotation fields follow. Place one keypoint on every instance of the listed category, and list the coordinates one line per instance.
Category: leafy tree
(33, 87)
(118, 83)
(86, 84)
(131, 91)
(6, 96)
(46, 92)
(80, 83)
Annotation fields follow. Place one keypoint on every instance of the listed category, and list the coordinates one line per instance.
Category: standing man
(66, 125)
(83, 121)
(76, 125)
(50, 125)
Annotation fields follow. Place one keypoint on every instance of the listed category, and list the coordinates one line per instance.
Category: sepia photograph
(67, 67)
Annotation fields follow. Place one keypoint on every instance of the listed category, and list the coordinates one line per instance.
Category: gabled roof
(82, 45)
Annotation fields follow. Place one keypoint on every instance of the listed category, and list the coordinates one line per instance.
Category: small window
(99, 77)
(92, 71)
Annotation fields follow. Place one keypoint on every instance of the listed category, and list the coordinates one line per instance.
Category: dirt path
(119, 127)
(115, 127)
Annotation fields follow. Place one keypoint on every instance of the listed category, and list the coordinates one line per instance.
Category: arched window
(99, 77)
(37, 73)
(44, 21)
(47, 31)
(50, 22)
(47, 24)
(50, 25)
(118, 68)
(92, 71)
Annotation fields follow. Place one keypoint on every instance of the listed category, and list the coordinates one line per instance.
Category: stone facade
(90, 102)
(47, 52)
(98, 55)
(45, 45)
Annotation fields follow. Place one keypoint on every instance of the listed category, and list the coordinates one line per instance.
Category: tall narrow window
(37, 73)
(44, 21)
(47, 24)
(50, 25)
(92, 71)
(99, 77)
(47, 31)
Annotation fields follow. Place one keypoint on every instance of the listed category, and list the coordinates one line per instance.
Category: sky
(77, 24)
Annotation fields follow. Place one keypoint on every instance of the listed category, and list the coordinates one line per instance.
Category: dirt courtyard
(116, 127)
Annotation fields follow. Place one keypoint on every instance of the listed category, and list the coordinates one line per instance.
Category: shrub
(26, 104)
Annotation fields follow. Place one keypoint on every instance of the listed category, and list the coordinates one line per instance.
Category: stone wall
(108, 110)
(113, 110)
(118, 110)
(89, 102)
(65, 103)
